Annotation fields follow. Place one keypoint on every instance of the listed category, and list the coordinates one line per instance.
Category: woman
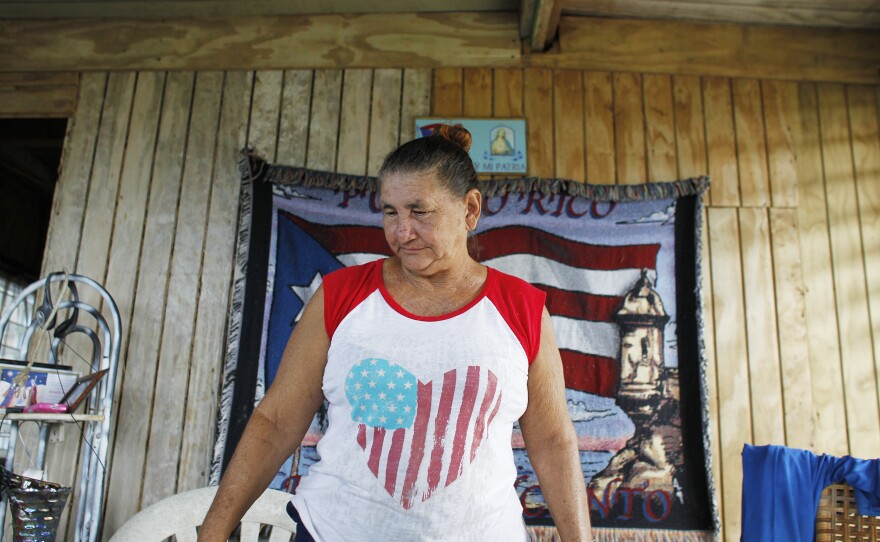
(427, 359)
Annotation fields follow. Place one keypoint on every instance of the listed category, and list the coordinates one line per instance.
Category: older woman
(426, 359)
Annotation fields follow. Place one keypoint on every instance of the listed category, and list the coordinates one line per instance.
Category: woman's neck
(437, 293)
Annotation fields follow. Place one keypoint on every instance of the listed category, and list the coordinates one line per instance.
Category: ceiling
(820, 13)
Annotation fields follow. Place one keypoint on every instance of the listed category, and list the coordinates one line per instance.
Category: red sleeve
(522, 307)
(345, 289)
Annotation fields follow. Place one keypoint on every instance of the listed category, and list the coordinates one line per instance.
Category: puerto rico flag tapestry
(620, 266)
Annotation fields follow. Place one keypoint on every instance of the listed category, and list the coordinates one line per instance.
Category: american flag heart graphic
(413, 440)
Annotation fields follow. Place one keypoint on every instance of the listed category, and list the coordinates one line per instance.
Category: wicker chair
(838, 520)
(180, 515)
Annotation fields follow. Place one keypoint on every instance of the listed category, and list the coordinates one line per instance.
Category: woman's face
(425, 225)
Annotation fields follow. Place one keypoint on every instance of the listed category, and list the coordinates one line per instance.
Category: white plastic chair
(180, 514)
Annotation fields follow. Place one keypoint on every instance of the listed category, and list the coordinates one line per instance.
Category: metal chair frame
(105, 355)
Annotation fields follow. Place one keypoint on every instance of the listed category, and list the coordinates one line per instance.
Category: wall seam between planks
(833, 270)
(143, 466)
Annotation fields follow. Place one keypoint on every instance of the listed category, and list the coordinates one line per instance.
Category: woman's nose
(404, 228)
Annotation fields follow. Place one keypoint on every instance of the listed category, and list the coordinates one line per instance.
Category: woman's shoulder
(354, 274)
(522, 307)
(346, 288)
(510, 283)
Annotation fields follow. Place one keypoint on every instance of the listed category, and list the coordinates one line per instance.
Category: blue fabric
(302, 534)
(782, 487)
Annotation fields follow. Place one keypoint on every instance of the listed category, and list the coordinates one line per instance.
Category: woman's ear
(473, 201)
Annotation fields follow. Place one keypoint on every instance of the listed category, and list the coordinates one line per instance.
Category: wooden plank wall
(791, 245)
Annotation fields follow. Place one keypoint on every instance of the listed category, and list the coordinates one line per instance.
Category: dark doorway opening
(30, 153)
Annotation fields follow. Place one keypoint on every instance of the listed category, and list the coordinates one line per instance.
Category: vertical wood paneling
(599, 123)
(69, 201)
(690, 140)
(540, 125)
(781, 117)
(324, 124)
(152, 307)
(103, 187)
(660, 128)
(140, 342)
(507, 93)
(416, 101)
(112, 137)
(568, 124)
(822, 338)
(762, 339)
(96, 231)
(293, 128)
(735, 417)
(477, 96)
(354, 121)
(797, 381)
(629, 128)
(447, 95)
(507, 100)
(720, 142)
(263, 136)
(750, 143)
(385, 117)
(864, 120)
(859, 380)
(208, 339)
(166, 433)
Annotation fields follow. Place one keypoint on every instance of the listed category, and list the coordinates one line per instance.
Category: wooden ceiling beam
(411, 40)
(430, 41)
(163, 9)
(728, 50)
(526, 16)
(818, 13)
(49, 95)
(545, 23)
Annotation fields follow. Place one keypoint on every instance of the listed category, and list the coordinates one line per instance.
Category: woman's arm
(277, 425)
(551, 441)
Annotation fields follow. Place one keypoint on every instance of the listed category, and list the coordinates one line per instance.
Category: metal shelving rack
(95, 451)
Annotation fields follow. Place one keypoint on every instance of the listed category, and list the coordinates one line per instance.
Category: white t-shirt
(421, 410)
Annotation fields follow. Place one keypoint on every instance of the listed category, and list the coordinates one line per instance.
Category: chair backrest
(180, 515)
(838, 519)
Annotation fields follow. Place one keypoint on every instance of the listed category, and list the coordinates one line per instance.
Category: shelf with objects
(57, 395)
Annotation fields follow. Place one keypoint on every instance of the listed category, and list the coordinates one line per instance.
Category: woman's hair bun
(457, 133)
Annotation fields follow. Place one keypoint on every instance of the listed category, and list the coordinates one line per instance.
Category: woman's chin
(415, 261)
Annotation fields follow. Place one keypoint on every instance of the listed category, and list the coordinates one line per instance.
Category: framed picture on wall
(497, 145)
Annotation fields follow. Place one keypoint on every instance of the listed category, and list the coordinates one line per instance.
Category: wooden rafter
(545, 23)
(453, 40)
(526, 16)
(319, 41)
